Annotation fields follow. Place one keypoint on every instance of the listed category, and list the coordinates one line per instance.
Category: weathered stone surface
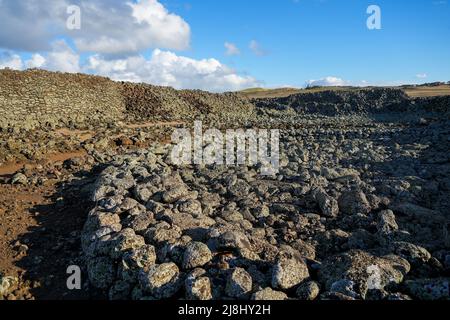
(362, 271)
(198, 286)
(288, 272)
(308, 291)
(239, 283)
(328, 205)
(197, 254)
(269, 294)
(161, 281)
(353, 202)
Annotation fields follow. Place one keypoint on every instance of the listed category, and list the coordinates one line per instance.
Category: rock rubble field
(359, 210)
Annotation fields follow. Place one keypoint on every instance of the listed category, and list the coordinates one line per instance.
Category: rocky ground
(359, 210)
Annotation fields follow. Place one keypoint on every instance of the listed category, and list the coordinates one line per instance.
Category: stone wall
(37, 98)
(41, 99)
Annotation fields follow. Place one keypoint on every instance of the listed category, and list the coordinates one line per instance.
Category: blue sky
(311, 39)
(294, 41)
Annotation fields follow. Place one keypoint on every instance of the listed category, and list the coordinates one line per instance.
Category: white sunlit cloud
(327, 82)
(107, 26)
(231, 49)
(256, 48)
(161, 68)
(112, 40)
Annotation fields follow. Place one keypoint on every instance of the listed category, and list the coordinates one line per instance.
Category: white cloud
(168, 69)
(256, 48)
(118, 27)
(114, 35)
(30, 25)
(421, 75)
(232, 49)
(327, 82)
(11, 61)
(107, 26)
(62, 58)
(36, 61)
(162, 68)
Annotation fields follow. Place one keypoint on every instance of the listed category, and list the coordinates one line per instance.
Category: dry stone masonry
(41, 99)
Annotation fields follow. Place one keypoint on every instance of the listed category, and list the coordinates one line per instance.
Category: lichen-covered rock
(269, 294)
(386, 222)
(414, 254)
(328, 205)
(7, 284)
(309, 290)
(198, 286)
(197, 254)
(288, 272)
(141, 258)
(126, 240)
(192, 207)
(364, 270)
(174, 194)
(353, 202)
(161, 281)
(162, 232)
(239, 283)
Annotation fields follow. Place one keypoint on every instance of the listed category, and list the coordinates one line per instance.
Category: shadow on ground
(54, 244)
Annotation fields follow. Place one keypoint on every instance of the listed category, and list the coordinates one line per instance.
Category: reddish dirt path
(11, 168)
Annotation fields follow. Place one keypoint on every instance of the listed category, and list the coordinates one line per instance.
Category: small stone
(174, 194)
(345, 287)
(354, 202)
(308, 291)
(387, 222)
(161, 281)
(19, 178)
(192, 207)
(198, 286)
(328, 205)
(288, 272)
(141, 258)
(239, 283)
(261, 212)
(7, 284)
(268, 294)
(197, 254)
(414, 254)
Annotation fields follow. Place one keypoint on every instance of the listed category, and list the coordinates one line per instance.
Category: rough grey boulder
(197, 254)
(239, 283)
(161, 281)
(288, 272)
(364, 270)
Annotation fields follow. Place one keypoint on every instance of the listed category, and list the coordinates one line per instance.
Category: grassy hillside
(427, 91)
(412, 91)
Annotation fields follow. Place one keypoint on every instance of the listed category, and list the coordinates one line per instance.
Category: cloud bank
(115, 39)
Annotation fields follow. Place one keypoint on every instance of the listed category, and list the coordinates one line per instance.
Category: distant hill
(425, 90)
